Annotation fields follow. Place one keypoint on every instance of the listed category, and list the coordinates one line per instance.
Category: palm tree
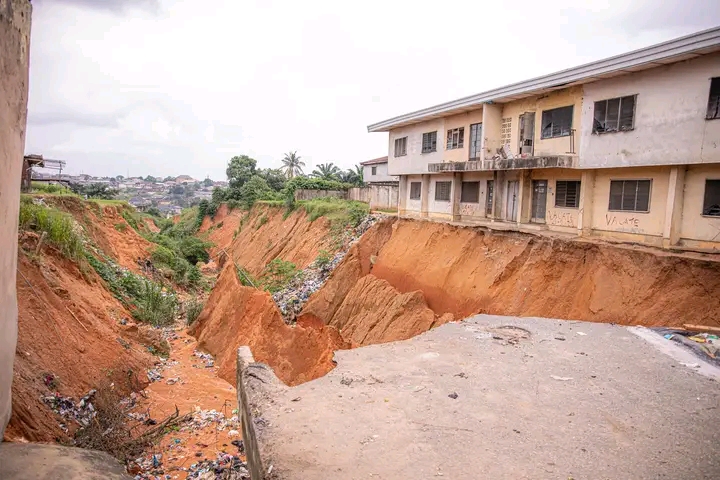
(359, 173)
(292, 165)
(326, 171)
(352, 175)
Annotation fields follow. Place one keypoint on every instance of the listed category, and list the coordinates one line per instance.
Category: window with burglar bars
(557, 122)
(614, 115)
(455, 138)
(442, 191)
(475, 140)
(429, 143)
(470, 192)
(567, 193)
(415, 190)
(400, 146)
(713, 110)
(711, 202)
(630, 195)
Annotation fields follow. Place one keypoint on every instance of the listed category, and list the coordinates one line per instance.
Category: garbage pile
(204, 418)
(155, 374)
(704, 345)
(292, 298)
(226, 466)
(205, 357)
(81, 412)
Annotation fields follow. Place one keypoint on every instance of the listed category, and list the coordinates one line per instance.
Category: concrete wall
(303, 194)
(556, 218)
(456, 121)
(475, 211)
(670, 126)
(381, 173)
(696, 229)
(440, 209)
(412, 207)
(14, 63)
(377, 196)
(415, 161)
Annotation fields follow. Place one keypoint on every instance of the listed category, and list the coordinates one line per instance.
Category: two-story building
(375, 171)
(626, 148)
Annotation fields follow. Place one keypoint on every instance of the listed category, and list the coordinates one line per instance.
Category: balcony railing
(518, 163)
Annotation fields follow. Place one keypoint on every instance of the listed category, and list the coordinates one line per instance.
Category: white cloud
(169, 87)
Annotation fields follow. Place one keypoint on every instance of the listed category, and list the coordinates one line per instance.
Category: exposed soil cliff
(466, 270)
(255, 238)
(236, 315)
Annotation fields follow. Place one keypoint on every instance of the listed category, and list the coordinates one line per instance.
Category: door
(511, 206)
(539, 201)
(527, 132)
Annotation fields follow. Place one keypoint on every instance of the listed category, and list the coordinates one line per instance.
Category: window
(429, 142)
(557, 122)
(455, 138)
(711, 203)
(373, 171)
(630, 195)
(400, 147)
(567, 193)
(415, 190)
(470, 192)
(475, 140)
(714, 100)
(442, 191)
(614, 115)
(489, 198)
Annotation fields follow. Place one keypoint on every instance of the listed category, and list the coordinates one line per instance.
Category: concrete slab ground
(35, 461)
(547, 399)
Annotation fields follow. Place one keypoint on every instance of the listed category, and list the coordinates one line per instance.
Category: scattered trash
(292, 298)
(668, 336)
(205, 357)
(690, 365)
(562, 339)
(581, 333)
(296, 399)
(562, 379)
(453, 395)
(233, 433)
(225, 467)
(172, 381)
(82, 412)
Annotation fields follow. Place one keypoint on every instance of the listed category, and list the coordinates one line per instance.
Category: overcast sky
(170, 87)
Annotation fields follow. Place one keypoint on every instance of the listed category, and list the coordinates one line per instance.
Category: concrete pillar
(425, 195)
(456, 195)
(492, 124)
(402, 194)
(524, 207)
(674, 207)
(499, 194)
(586, 204)
(14, 49)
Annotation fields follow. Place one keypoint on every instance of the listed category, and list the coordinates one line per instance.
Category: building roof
(679, 49)
(375, 161)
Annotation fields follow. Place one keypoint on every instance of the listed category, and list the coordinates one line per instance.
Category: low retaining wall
(303, 194)
(256, 387)
(378, 196)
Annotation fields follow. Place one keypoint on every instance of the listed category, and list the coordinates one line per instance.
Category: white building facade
(626, 148)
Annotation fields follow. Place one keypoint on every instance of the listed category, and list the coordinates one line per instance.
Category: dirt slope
(264, 235)
(82, 351)
(464, 270)
(235, 315)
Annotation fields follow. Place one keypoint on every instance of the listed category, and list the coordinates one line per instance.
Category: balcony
(517, 163)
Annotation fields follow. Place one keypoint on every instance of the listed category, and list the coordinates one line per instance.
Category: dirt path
(193, 386)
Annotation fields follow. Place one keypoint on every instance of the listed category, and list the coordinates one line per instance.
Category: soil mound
(236, 315)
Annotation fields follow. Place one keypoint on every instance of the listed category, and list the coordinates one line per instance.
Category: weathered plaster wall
(556, 218)
(694, 225)
(475, 211)
(549, 146)
(456, 121)
(381, 173)
(415, 161)
(14, 62)
(670, 126)
(642, 223)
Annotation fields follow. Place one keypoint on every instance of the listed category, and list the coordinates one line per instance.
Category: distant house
(376, 171)
(184, 179)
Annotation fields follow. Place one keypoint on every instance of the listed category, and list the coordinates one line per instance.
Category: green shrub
(193, 308)
(59, 227)
(323, 259)
(121, 227)
(338, 211)
(245, 278)
(277, 274)
(233, 204)
(163, 255)
(194, 277)
(261, 221)
(155, 306)
(130, 219)
(309, 183)
(194, 250)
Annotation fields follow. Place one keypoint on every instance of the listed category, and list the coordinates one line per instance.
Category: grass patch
(272, 203)
(245, 278)
(49, 189)
(117, 203)
(193, 308)
(261, 221)
(121, 227)
(59, 227)
(323, 259)
(338, 211)
(277, 274)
